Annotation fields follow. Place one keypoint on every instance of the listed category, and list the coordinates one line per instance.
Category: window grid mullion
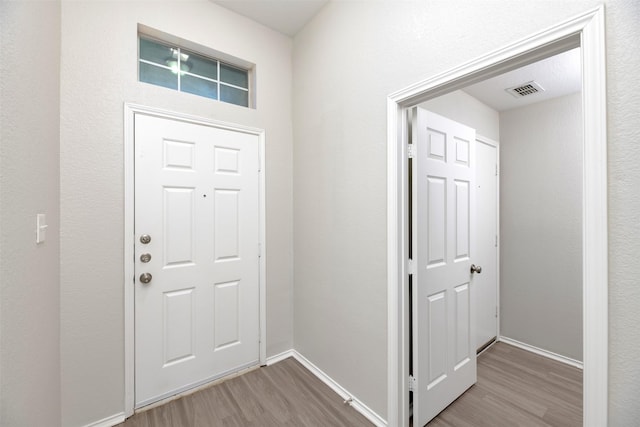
(218, 82)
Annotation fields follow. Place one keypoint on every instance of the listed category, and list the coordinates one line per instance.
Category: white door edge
(130, 111)
(488, 141)
(587, 31)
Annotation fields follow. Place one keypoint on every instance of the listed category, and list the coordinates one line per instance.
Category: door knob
(145, 238)
(145, 257)
(476, 269)
(145, 277)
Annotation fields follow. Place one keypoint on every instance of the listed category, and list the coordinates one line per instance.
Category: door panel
(443, 203)
(196, 195)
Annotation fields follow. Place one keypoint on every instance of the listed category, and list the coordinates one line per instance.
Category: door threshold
(197, 388)
(486, 346)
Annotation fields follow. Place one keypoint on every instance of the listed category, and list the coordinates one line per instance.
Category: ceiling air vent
(525, 89)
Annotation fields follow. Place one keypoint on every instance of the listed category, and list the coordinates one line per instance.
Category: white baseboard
(109, 421)
(279, 357)
(354, 402)
(546, 353)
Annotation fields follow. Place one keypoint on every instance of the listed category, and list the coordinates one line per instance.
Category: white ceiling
(285, 16)
(558, 75)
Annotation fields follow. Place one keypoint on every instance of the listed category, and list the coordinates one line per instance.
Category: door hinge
(411, 151)
(413, 383)
(410, 267)
(496, 311)
(496, 241)
(496, 169)
(259, 250)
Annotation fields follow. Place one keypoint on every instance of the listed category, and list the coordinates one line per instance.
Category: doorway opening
(587, 32)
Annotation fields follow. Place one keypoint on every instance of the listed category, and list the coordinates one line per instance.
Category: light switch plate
(41, 228)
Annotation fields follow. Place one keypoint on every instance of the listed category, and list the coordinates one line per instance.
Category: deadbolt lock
(145, 238)
(145, 257)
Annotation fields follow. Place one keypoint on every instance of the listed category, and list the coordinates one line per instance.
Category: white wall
(99, 73)
(464, 108)
(346, 62)
(541, 225)
(29, 184)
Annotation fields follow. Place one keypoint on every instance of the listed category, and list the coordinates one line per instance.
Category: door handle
(145, 277)
(476, 269)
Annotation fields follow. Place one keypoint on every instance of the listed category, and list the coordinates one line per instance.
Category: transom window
(176, 68)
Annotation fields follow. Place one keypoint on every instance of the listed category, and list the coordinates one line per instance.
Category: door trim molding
(130, 111)
(587, 31)
(488, 141)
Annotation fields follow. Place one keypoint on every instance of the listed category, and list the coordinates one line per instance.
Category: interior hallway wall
(29, 184)
(466, 109)
(346, 61)
(99, 74)
(541, 225)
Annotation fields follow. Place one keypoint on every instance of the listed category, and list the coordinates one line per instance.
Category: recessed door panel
(226, 231)
(178, 331)
(462, 325)
(436, 220)
(178, 215)
(179, 155)
(437, 145)
(462, 219)
(437, 308)
(227, 314)
(227, 160)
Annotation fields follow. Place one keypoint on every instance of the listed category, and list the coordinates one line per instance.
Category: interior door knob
(476, 269)
(145, 277)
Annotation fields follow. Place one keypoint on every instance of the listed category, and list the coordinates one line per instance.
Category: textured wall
(623, 108)
(541, 225)
(29, 184)
(99, 74)
(346, 61)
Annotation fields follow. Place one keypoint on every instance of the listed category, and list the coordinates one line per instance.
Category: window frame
(219, 58)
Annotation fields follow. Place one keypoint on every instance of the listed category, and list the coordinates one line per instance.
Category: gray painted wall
(465, 109)
(541, 225)
(29, 184)
(99, 73)
(346, 61)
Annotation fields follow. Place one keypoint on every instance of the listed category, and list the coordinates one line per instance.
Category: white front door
(196, 247)
(486, 284)
(443, 209)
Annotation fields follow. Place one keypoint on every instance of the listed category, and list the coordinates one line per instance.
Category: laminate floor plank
(517, 388)
(281, 395)
(514, 388)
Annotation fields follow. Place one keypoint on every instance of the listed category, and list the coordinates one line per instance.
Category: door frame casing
(586, 31)
(130, 111)
(496, 144)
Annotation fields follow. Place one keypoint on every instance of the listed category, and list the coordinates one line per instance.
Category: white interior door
(443, 209)
(486, 284)
(197, 198)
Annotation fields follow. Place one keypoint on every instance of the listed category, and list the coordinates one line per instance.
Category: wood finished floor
(283, 394)
(515, 388)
